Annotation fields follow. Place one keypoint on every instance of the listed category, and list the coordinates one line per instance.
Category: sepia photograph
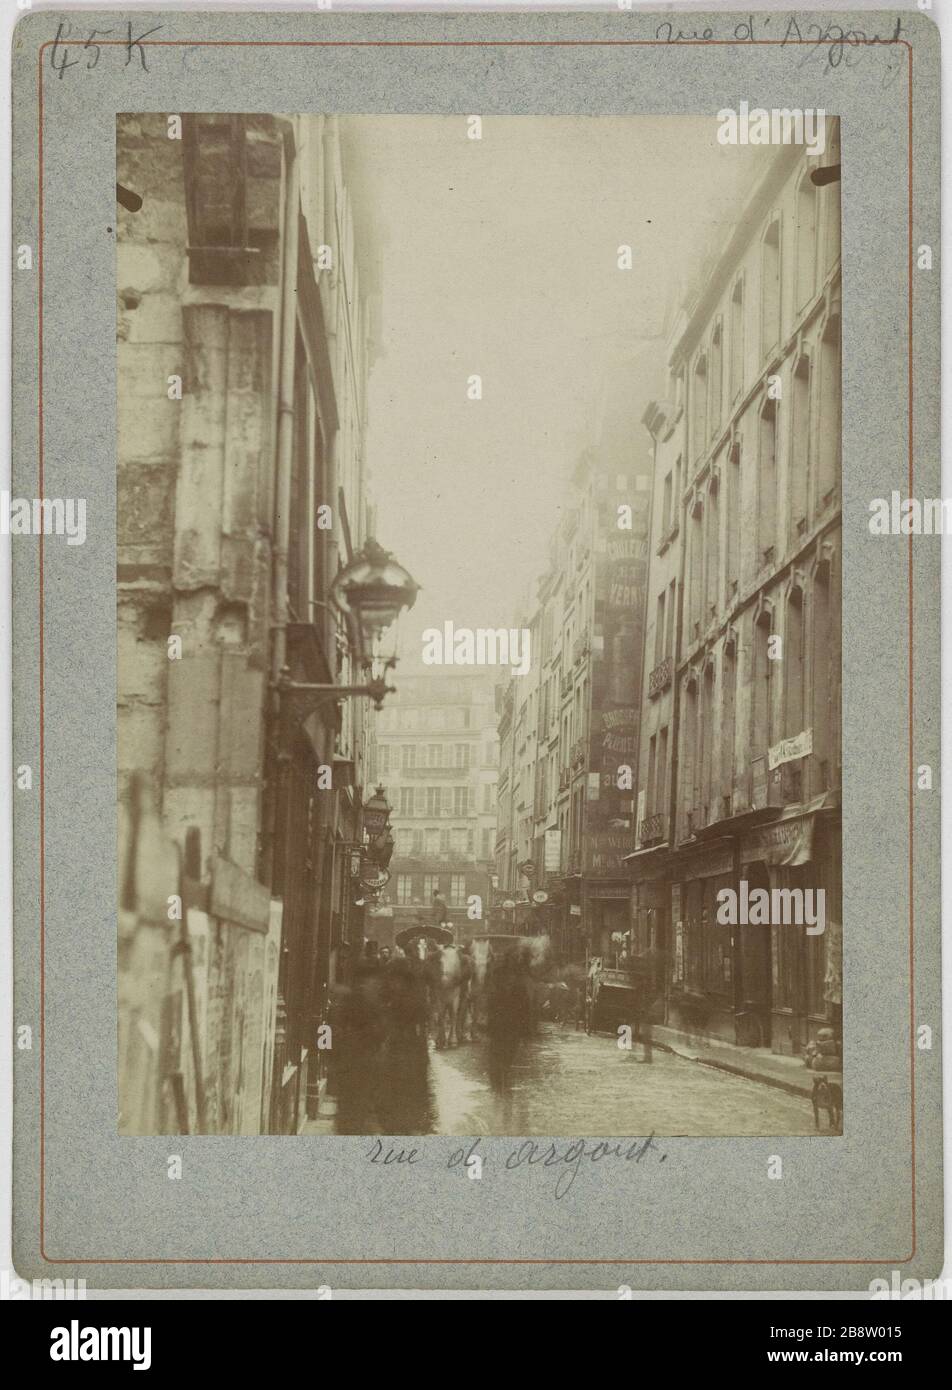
(479, 604)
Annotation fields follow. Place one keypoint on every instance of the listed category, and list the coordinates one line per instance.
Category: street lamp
(377, 813)
(370, 593)
(379, 850)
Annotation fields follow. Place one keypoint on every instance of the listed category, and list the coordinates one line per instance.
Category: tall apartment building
(739, 769)
(569, 730)
(242, 361)
(437, 755)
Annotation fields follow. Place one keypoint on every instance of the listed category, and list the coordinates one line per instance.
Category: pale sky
(498, 257)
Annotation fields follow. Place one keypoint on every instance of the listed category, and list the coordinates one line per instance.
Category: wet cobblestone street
(564, 1082)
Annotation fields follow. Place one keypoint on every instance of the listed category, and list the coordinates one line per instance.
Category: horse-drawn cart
(613, 997)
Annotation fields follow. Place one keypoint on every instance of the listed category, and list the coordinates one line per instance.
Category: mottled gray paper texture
(282, 1213)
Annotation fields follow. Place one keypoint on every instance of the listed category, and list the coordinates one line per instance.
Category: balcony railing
(660, 677)
(434, 813)
(445, 770)
(651, 830)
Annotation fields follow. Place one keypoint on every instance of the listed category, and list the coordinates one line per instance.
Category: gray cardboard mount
(282, 1212)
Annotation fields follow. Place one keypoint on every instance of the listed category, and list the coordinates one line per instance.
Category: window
(434, 801)
(829, 434)
(688, 759)
(487, 843)
(659, 635)
(383, 760)
(666, 504)
(416, 848)
(431, 841)
(697, 568)
(461, 801)
(650, 789)
(699, 407)
(793, 665)
(767, 501)
(737, 342)
(770, 289)
(462, 755)
(671, 615)
(444, 842)
(712, 548)
(728, 698)
(404, 889)
(732, 521)
(406, 801)
(706, 735)
(459, 840)
(434, 755)
(457, 890)
(488, 796)
(806, 240)
(799, 448)
(661, 772)
(403, 842)
(717, 372)
(408, 756)
(431, 884)
(762, 710)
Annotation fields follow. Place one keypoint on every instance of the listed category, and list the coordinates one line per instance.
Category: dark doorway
(756, 979)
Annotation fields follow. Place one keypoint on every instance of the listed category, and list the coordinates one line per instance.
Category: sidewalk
(754, 1063)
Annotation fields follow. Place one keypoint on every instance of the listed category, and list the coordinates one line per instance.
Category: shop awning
(786, 841)
(639, 855)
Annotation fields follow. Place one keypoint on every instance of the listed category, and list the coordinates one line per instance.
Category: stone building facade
(437, 754)
(569, 730)
(242, 488)
(739, 770)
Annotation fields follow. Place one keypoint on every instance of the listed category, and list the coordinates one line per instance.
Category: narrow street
(563, 1082)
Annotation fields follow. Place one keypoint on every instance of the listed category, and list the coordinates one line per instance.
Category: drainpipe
(285, 440)
(278, 793)
(285, 338)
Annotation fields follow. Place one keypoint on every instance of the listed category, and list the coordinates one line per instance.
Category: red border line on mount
(463, 43)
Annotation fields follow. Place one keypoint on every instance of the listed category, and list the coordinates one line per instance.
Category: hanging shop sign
(373, 879)
(553, 851)
(789, 749)
(787, 842)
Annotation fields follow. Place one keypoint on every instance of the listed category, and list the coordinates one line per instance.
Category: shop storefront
(797, 859)
(607, 915)
(701, 952)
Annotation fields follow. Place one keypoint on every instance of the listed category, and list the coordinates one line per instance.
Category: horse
(445, 978)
